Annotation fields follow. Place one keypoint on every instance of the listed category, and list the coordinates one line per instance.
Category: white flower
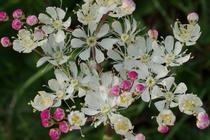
(108, 6)
(166, 117)
(43, 101)
(92, 42)
(88, 14)
(61, 87)
(125, 99)
(169, 94)
(99, 103)
(170, 53)
(121, 124)
(126, 33)
(186, 33)
(151, 76)
(76, 119)
(26, 42)
(127, 8)
(54, 23)
(190, 104)
(55, 53)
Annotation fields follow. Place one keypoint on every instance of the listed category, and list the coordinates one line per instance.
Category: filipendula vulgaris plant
(139, 67)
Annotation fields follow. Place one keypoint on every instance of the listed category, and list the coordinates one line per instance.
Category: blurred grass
(20, 79)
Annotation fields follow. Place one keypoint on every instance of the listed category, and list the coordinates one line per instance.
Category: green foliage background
(20, 79)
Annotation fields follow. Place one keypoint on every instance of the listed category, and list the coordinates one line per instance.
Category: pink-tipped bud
(128, 4)
(202, 120)
(192, 17)
(3, 16)
(59, 114)
(45, 114)
(203, 117)
(153, 34)
(54, 134)
(125, 85)
(17, 24)
(5, 41)
(63, 127)
(39, 34)
(140, 136)
(18, 13)
(163, 129)
(31, 20)
(46, 123)
(139, 88)
(202, 125)
(115, 91)
(133, 75)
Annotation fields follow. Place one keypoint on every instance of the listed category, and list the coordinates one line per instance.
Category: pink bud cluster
(127, 85)
(202, 120)
(163, 129)
(58, 117)
(3, 16)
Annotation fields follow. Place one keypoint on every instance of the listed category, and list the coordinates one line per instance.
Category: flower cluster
(106, 67)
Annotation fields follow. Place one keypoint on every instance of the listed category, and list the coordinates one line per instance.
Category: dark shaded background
(20, 79)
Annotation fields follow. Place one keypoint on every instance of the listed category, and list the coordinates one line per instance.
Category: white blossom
(43, 100)
(170, 53)
(26, 42)
(54, 22)
(186, 33)
(166, 117)
(92, 41)
(54, 53)
(76, 119)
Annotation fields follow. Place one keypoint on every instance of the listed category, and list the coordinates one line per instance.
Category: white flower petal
(181, 88)
(77, 43)
(114, 55)
(99, 56)
(43, 18)
(168, 82)
(52, 12)
(108, 43)
(79, 33)
(41, 61)
(47, 29)
(85, 55)
(103, 31)
(117, 27)
(61, 13)
(145, 96)
(67, 23)
(60, 36)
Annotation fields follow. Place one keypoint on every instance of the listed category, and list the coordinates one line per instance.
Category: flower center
(91, 41)
(58, 55)
(150, 82)
(185, 32)
(27, 42)
(169, 96)
(122, 126)
(123, 99)
(74, 82)
(57, 24)
(145, 58)
(60, 94)
(166, 118)
(76, 119)
(169, 58)
(105, 108)
(188, 105)
(45, 100)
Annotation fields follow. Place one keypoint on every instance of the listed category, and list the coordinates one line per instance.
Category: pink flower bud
(192, 17)
(63, 126)
(115, 91)
(59, 114)
(203, 117)
(46, 123)
(54, 134)
(17, 24)
(153, 34)
(163, 129)
(45, 114)
(139, 88)
(3, 16)
(39, 34)
(125, 85)
(5, 41)
(18, 13)
(140, 136)
(128, 4)
(31, 20)
(202, 125)
(133, 75)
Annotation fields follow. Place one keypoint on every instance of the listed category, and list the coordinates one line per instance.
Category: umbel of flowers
(139, 67)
